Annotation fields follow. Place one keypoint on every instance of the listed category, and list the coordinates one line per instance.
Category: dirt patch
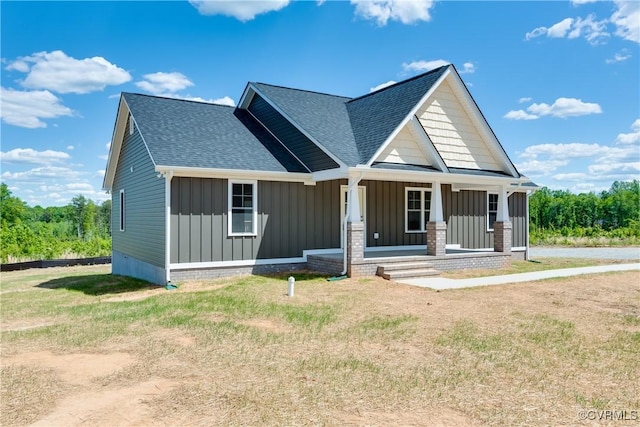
(119, 406)
(268, 325)
(436, 417)
(25, 324)
(79, 368)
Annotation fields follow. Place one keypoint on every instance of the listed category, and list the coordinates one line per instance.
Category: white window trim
(122, 210)
(489, 228)
(423, 223)
(131, 125)
(230, 232)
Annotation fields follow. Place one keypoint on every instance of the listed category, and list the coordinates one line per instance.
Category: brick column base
(502, 236)
(355, 246)
(436, 238)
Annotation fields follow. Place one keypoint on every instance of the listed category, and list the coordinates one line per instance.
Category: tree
(12, 209)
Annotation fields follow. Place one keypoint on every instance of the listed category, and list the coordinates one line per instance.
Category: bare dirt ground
(180, 376)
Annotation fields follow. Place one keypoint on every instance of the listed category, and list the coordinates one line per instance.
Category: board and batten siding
(452, 132)
(143, 237)
(305, 150)
(292, 217)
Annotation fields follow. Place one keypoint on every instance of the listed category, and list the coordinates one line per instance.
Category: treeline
(80, 229)
(610, 217)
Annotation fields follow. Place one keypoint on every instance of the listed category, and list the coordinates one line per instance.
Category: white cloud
(562, 107)
(579, 2)
(626, 18)
(423, 66)
(524, 99)
(108, 146)
(560, 29)
(616, 168)
(630, 138)
(621, 56)
(163, 83)
(563, 151)
(101, 172)
(540, 167)
(382, 85)
(520, 115)
(70, 147)
(31, 156)
(242, 10)
(565, 107)
(468, 67)
(594, 31)
(405, 11)
(60, 73)
(26, 108)
(225, 100)
(42, 173)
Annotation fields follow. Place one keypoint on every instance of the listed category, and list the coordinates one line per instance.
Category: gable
(449, 126)
(404, 149)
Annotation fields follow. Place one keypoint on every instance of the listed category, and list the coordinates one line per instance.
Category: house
(204, 190)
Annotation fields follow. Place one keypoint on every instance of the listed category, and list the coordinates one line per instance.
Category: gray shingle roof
(200, 135)
(375, 116)
(324, 117)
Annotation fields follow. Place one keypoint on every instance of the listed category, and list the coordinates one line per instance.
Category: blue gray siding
(305, 150)
(144, 234)
(292, 217)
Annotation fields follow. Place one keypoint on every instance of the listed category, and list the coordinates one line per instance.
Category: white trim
(409, 116)
(249, 262)
(167, 226)
(132, 125)
(300, 128)
(519, 249)
(423, 221)
(363, 212)
(431, 150)
(395, 248)
(236, 174)
(121, 210)
(331, 174)
(254, 202)
(488, 211)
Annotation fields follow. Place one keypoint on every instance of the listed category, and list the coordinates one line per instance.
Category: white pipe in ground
(292, 283)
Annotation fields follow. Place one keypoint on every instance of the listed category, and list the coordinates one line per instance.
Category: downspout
(347, 215)
(167, 231)
(526, 240)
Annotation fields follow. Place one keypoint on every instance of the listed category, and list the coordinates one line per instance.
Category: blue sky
(557, 81)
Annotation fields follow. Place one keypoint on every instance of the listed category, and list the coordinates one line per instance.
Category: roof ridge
(177, 99)
(303, 90)
(400, 82)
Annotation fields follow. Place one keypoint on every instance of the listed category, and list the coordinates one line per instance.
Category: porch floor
(407, 253)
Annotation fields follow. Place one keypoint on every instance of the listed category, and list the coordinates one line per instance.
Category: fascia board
(181, 171)
(441, 177)
(297, 126)
(430, 149)
(247, 96)
(480, 121)
(116, 144)
(408, 117)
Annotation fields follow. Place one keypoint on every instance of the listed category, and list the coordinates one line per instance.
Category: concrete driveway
(623, 253)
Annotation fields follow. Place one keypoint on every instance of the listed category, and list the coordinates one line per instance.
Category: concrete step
(405, 265)
(407, 274)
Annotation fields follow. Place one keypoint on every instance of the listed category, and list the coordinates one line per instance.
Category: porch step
(406, 269)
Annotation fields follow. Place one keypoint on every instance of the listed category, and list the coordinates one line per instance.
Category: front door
(362, 193)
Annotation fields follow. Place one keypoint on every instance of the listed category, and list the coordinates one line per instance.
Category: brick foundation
(436, 238)
(502, 236)
(218, 272)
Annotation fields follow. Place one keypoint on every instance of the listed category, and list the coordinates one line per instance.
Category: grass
(354, 352)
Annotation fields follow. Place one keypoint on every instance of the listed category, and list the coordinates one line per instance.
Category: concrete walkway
(444, 283)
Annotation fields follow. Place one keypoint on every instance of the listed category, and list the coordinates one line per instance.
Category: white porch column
(353, 230)
(503, 205)
(502, 229)
(436, 227)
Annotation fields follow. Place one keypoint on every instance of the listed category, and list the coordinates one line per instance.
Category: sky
(557, 81)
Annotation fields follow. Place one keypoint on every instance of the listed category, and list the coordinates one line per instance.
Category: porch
(412, 262)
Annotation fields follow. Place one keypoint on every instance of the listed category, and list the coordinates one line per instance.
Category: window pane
(241, 221)
(248, 189)
(413, 220)
(427, 200)
(492, 219)
(247, 202)
(413, 200)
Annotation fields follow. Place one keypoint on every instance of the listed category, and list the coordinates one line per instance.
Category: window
(242, 208)
(121, 210)
(418, 207)
(492, 210)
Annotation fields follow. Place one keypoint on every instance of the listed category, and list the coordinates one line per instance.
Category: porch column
(502, 228)
(355, 229)
(436, 227)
